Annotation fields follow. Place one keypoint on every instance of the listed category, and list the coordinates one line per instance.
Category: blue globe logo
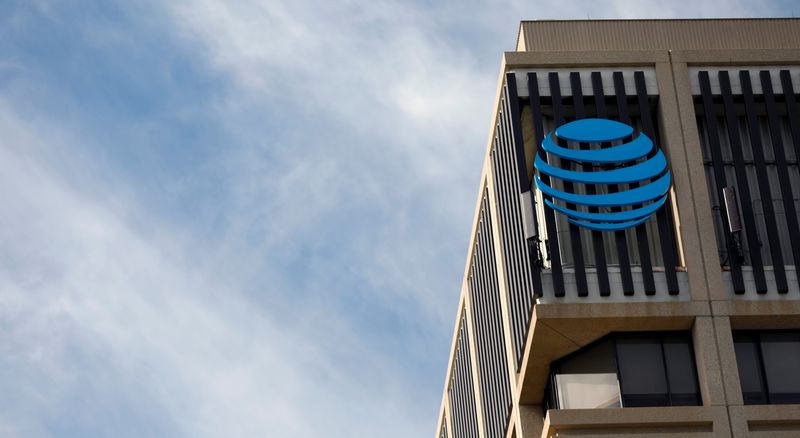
(651, 175)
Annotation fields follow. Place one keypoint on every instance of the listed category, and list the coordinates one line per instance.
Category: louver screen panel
(749, 129)
(462, 393)
(642, 261)
(511, 179)
(489, 332)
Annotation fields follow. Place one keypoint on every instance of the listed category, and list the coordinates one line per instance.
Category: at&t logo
(645, 199)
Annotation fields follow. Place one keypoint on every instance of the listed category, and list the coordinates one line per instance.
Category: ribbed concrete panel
(488, 326)
(621, 35)
(462, 392)
(523, 281)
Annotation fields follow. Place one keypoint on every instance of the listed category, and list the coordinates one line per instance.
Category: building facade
(687, 324)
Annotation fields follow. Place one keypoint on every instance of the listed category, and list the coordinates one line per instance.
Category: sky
(246, 218)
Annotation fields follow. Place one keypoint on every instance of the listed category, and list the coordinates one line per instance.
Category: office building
(686, 325)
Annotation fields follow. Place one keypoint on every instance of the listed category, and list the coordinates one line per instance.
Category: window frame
(551, 400)
(762, 371)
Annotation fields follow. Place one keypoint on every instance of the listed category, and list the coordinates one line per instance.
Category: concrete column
(531, 420)
(708, 364)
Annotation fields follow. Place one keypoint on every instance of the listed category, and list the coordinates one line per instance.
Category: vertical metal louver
(488, 325)
(511, 179)
(556, 98)
(749, 127)
(462, 393)
(534, 103)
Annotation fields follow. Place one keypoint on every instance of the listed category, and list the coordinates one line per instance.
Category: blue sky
(245, 218)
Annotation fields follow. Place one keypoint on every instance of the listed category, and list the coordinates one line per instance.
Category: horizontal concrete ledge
(774, 426)
(588, 58)
(627, 311)
(670, 421)
(615, 277)
(745, 315)
(766, 420)
(737, 56)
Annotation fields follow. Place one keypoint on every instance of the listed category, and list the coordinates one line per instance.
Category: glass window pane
(781, 353)
(749, 363)
(681, 371)
(642, 376)
(589, 379)
(588, 391)
(596, 359)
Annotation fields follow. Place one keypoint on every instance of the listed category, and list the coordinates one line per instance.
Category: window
(626, 370)
(768, 364)
(589, 379)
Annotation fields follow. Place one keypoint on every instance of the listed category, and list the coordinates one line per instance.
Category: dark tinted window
(781, 353)
(681, 372)
(769, 366)
(749, 362)
(596, 359)
(641, 368)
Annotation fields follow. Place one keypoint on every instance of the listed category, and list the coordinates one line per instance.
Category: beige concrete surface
(701, 252)
(690, 421)
(765, 421)
(532, 420)
(727, 359)
(709, 373)
(632, 35)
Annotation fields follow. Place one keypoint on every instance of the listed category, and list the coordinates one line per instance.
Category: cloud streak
(100, 319)
(241, 218)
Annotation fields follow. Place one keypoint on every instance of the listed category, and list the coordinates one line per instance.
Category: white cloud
(408, 111)
(92, 306)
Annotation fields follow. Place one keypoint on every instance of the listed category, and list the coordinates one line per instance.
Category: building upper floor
(719, 101)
